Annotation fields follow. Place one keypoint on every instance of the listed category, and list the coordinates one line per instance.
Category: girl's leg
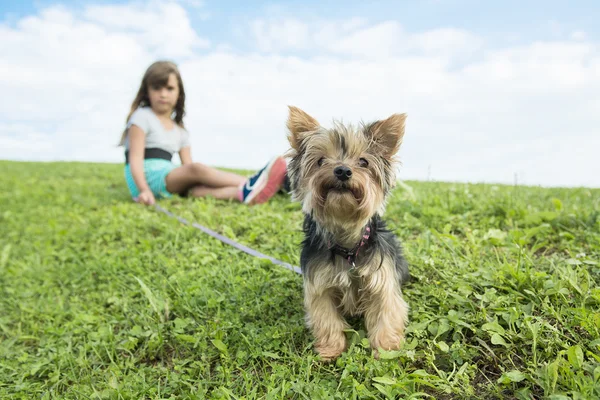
(189, 175)
(222, 193)
(255, 189)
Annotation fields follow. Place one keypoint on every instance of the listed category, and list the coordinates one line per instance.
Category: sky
(495, 92)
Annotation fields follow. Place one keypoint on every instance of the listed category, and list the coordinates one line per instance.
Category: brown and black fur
(342, 177)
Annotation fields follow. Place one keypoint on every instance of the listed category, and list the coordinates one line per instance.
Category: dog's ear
(300, 126)
(387, 134)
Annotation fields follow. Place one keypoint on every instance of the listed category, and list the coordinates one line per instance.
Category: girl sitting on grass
(155, 131)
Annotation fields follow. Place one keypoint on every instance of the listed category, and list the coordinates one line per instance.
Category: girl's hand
(146, 197)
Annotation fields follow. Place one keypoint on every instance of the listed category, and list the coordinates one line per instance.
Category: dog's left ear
(388, 134)
(300, 125)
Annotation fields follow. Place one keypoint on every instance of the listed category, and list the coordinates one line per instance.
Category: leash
(230, 242)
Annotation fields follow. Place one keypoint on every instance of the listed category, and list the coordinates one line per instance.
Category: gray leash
(229, 241)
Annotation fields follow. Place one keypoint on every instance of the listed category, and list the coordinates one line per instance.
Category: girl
(155, 131)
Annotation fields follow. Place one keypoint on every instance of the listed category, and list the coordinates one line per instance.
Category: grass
(103, 298)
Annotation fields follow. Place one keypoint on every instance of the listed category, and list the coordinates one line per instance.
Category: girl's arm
(185, 155)
(137, 141)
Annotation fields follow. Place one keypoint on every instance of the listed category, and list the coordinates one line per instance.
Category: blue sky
(501, 21)
(493, 90)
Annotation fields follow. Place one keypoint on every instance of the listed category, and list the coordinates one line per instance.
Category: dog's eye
(320, 162)
(363, 163)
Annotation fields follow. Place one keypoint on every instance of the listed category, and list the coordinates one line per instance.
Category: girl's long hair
(157, 75)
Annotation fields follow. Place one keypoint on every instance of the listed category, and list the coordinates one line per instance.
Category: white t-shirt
(156, 135)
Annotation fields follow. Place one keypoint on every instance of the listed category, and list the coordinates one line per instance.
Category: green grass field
(104, 298)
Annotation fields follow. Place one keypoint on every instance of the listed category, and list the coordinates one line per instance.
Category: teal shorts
(156, 171)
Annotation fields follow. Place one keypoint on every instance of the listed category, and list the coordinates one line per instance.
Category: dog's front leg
(325, 321)
(386, 311)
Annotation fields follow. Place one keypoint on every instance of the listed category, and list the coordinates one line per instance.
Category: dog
(352, 264)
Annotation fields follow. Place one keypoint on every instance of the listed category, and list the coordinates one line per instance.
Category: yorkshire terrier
(352, 264)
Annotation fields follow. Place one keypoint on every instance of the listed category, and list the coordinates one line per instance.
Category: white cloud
(578, 35)
(475, 113)
(357, 38)
(160, 26)
(24, 143)
(286, 34)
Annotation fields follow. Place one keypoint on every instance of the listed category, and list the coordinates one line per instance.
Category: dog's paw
(387, 343)
(331, 350)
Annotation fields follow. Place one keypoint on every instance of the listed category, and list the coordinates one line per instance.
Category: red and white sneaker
(265, 183)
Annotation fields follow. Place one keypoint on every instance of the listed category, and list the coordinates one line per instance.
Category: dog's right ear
(300, 125)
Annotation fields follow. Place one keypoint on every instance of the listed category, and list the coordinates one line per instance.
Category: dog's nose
(342, 173)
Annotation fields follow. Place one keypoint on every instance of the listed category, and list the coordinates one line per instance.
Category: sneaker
(264, 184)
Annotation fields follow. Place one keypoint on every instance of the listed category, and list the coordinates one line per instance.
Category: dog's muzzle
(342, 173)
